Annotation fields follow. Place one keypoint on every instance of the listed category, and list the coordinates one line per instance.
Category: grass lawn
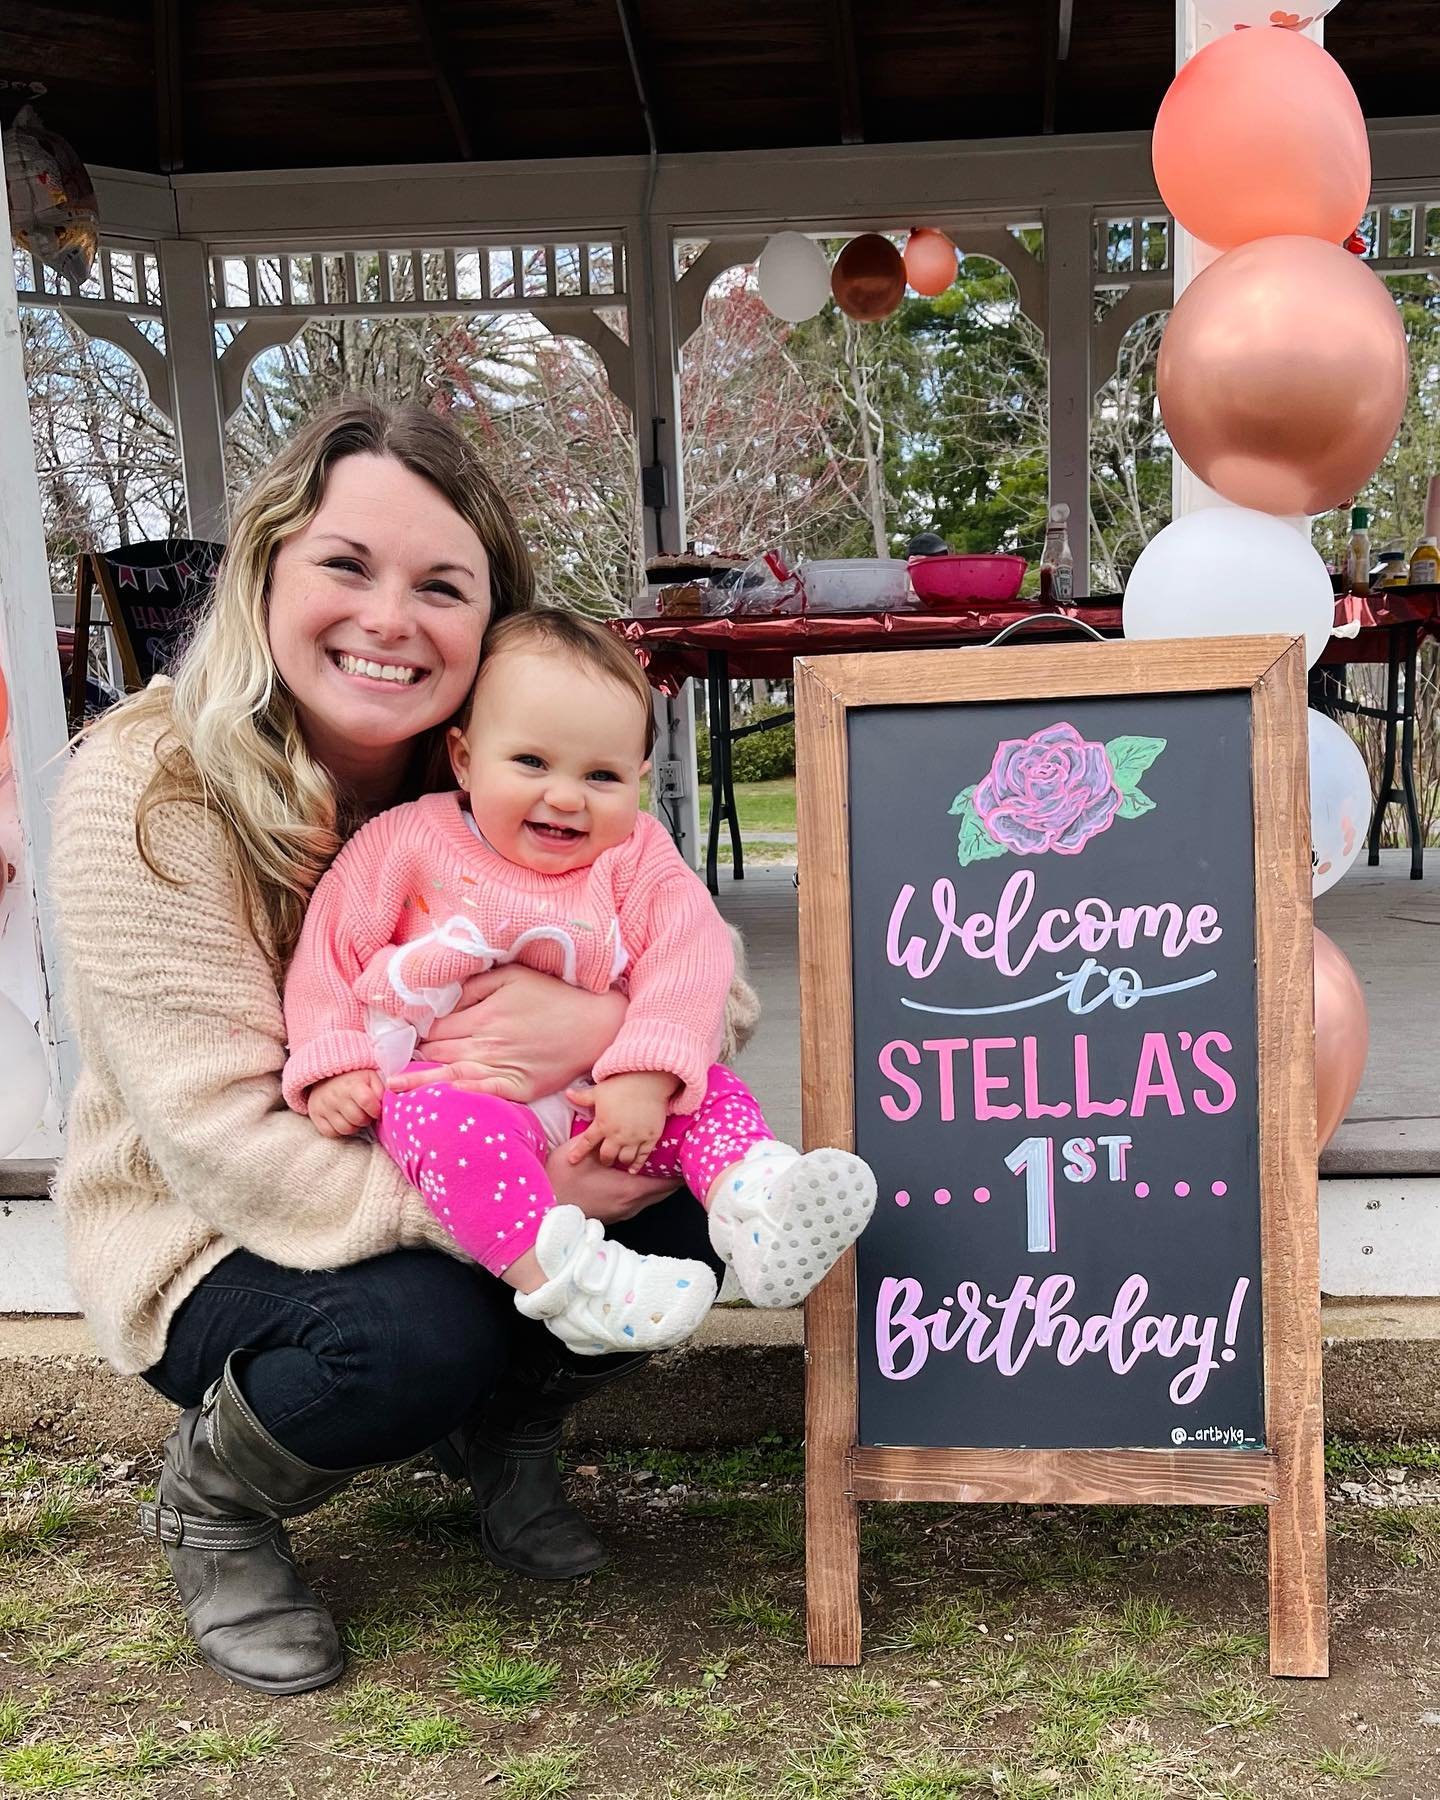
(1034, 1653)
(764, 805)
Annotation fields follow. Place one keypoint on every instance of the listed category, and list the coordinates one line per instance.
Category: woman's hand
(609, 1195)
(519, 1034)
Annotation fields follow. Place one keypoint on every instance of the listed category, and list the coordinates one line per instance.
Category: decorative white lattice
(125, 280)
(488, 277)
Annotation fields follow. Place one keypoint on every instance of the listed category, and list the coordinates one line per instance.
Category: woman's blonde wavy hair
(233, 742)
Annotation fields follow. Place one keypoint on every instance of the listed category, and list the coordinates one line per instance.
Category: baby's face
(552, 760)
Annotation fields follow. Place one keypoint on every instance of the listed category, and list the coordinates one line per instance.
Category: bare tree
(107, 461)
(1130, 461)
(563, 448)
(768, 459)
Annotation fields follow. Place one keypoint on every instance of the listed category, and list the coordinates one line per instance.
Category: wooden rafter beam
(169, 116)
(846, 49)
(445, 72)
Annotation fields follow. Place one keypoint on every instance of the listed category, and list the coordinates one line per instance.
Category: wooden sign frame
(1287, 1476)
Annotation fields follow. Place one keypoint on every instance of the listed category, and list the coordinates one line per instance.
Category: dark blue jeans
(375, 1362)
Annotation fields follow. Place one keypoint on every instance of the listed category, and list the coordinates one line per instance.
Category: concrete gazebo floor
(1090, 1654)
(742, 1376)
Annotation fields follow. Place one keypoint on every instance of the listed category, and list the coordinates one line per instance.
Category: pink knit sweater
(417, 901)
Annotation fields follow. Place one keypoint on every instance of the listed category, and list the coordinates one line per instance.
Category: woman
(290, 1292)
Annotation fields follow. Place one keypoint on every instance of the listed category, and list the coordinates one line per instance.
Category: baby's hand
(346, 1103)
(629, 1118)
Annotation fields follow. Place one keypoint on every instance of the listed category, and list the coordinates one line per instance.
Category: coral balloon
(868, 280)
(4, 706)
(930, 262)
(1260, 135)
(1342, 1037)
(1283, 374)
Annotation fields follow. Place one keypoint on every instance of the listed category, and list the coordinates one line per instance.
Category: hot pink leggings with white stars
(479, 1162)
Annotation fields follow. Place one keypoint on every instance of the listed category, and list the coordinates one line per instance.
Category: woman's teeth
(358, 665)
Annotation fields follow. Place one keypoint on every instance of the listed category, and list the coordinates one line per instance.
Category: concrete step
(741, 1379)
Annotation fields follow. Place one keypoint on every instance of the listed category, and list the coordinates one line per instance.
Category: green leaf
(961, 802)
(1130, 757)
(976, 843)
(1135, 804)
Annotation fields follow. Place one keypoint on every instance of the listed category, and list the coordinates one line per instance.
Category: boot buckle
(153, 1517)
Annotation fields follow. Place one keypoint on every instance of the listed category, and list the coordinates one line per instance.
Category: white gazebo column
(1069, 313)
(655, 348)
(194, 384)
(34, 747)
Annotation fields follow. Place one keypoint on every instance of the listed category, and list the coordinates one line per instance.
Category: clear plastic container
(856, 584)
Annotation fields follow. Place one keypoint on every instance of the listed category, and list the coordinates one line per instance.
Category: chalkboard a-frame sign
(1057, 899)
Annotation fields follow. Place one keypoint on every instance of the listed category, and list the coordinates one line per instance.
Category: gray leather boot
(224, 1488)
(506, 1451)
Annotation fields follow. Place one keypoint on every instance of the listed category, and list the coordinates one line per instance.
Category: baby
(545, 858)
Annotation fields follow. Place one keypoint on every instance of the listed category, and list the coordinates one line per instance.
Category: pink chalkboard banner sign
(1056, 965)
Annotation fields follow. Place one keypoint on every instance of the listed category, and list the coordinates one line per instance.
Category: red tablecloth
(670, 650)
(1375, 614)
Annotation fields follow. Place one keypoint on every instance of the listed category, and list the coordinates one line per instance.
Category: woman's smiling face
(376, 612)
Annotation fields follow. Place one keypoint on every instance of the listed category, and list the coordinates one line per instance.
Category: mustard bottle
(1425, 564)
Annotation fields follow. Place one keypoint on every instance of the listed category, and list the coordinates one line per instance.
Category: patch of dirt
(1083, 1653)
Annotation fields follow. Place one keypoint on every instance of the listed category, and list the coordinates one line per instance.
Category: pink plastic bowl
(993, 579)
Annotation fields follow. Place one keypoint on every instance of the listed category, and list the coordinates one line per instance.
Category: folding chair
(153, 594)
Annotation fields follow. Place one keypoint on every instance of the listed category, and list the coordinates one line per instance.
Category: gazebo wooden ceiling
(208, 85)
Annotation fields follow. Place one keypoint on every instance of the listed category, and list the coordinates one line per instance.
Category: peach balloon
(1342, 1037)
(930, 262)
(868, 280)
(1283, 374)
(1260, 135)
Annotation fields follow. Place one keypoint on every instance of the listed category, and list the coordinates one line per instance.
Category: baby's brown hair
(583, 641)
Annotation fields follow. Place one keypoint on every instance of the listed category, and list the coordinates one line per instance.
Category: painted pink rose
(1051, 791)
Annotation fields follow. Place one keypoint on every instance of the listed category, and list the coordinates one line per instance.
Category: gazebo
(261, 166)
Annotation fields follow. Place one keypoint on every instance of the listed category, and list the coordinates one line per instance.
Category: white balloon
(24, 1077)
(1340, 800)
(1230, 572)
(793, 276)
(1218, 18)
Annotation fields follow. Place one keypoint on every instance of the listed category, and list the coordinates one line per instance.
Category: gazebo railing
(124, 280)
(492, 277)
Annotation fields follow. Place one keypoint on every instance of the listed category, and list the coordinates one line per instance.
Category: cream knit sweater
(179, 1146)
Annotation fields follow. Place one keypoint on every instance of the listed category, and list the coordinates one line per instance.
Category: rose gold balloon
(1283, 374)
(868, 280)
(1342, 1037)
(929, 261)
